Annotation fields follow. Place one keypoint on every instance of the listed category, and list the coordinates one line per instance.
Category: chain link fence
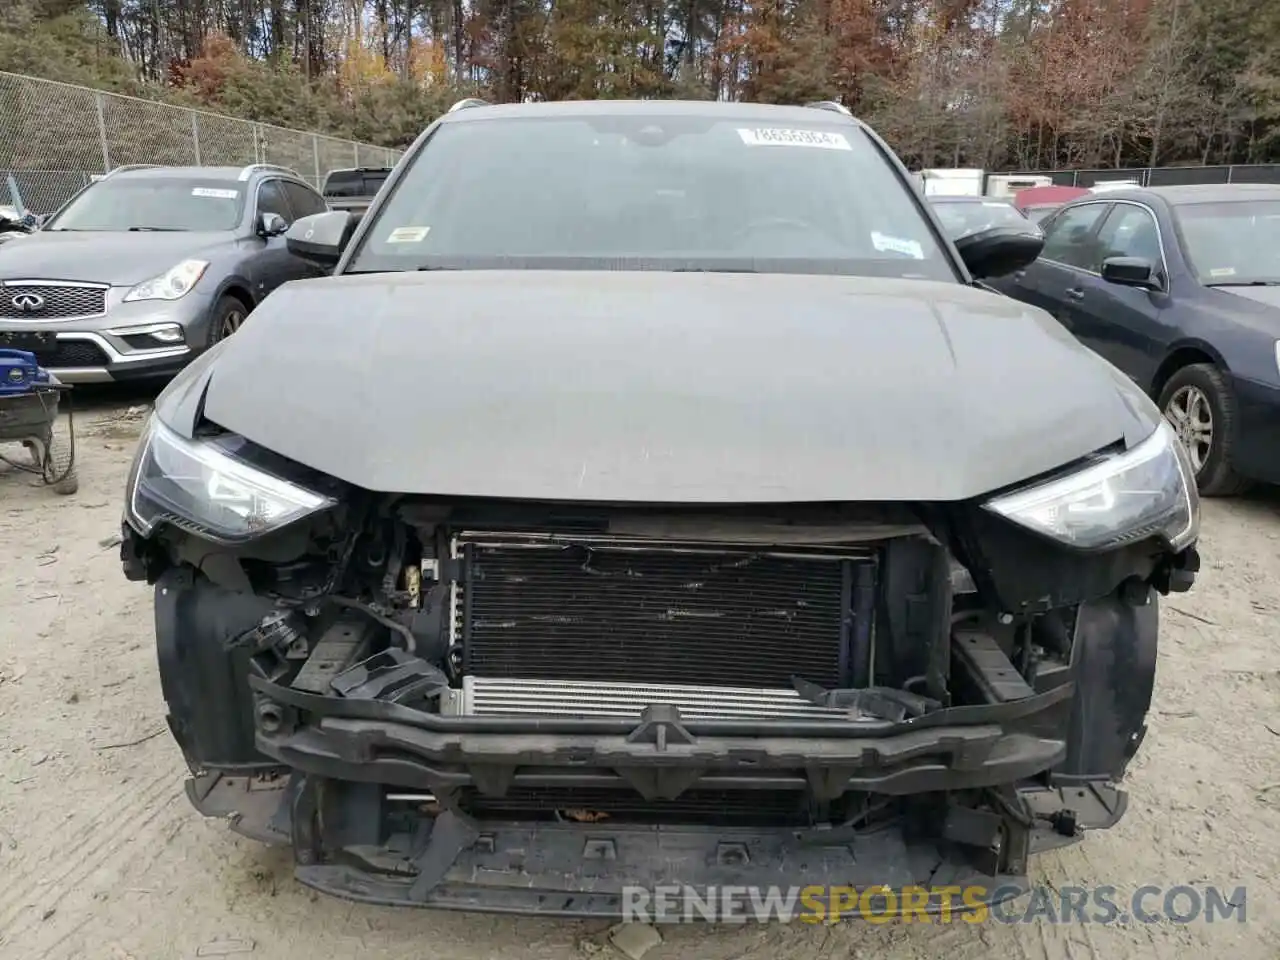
(54, 137)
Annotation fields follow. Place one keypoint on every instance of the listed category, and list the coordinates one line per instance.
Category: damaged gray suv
(652, 494)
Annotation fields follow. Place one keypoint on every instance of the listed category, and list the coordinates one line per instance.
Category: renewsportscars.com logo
(972, 904)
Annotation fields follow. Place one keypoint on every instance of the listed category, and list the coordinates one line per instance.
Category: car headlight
(173, 284)
(1144, 492)
(202, 486)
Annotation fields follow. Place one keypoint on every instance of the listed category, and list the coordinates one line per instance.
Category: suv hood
(660, 387)
(119, 258)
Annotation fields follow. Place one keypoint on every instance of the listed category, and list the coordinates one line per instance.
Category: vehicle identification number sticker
(887, 244)
(408, 234)
(775, 137)
(214, 193)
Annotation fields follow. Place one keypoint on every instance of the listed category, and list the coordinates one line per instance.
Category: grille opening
(51, 353)
(71, 353)
(659, 614)
(717, 808)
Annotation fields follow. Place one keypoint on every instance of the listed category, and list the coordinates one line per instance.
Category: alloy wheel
(231, 322)
(1191, 416)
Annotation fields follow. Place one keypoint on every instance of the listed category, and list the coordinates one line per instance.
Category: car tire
(1198, 403)
(228, 316)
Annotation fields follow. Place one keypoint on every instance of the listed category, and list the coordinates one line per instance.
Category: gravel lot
(102, 857)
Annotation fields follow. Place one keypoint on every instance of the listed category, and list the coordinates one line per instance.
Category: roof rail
(130, 166)
(468, 103)
(830, 105)
(248, 170)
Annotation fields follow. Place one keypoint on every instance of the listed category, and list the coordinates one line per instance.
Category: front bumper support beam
(450, 861)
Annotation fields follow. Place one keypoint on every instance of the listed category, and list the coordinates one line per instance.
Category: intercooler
(603, 627)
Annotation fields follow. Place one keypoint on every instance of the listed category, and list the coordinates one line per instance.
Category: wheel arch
(234, 287)
(237, 287)
(1184, 353)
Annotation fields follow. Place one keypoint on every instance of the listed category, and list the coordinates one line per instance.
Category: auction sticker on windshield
(775, 137)
(214, 193)
(902, 245)
(408, 234)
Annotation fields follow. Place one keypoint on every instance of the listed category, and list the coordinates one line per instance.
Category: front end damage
(527, 707)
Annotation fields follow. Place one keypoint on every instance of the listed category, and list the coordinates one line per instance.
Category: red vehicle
(1038, 202)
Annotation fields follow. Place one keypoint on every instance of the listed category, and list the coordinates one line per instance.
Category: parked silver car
(144, 269)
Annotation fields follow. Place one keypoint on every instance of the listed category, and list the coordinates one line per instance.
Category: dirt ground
(101, 856)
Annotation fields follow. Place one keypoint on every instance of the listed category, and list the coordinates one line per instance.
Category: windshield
(963, 217)
(667, 193)
(1231, 242)
(354, 183)
(154, 203)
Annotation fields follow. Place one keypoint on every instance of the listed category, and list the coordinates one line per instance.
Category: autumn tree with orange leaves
(988, 83)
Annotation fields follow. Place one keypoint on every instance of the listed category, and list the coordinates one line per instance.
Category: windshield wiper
(156, 230)
(1245, 283)
(712, 270)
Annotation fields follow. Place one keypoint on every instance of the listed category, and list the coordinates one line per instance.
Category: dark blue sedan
(1179, 287)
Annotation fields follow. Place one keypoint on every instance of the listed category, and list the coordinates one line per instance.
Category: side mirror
(999, 251)
(321, 237)
(1131, 272)
(271, 225)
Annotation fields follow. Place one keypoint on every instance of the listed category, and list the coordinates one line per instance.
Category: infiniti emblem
(28, 302)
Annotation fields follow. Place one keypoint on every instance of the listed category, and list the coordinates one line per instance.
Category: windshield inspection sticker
(408, 234)
(887, 244)
(1222, 272)
(214, 193)
(774, 137)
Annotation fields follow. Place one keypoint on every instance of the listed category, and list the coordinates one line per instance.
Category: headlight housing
(1148, 491)
(173, 284)
(202, 486)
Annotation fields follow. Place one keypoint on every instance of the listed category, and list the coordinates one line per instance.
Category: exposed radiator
(663, 616)
(593, 698)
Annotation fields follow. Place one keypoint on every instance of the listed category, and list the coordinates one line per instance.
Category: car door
(1124, 324)
(1053, 281)
(304, 202)
(273, 264)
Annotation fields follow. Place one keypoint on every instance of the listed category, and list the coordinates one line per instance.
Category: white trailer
(952, 182)
(1008, 184)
